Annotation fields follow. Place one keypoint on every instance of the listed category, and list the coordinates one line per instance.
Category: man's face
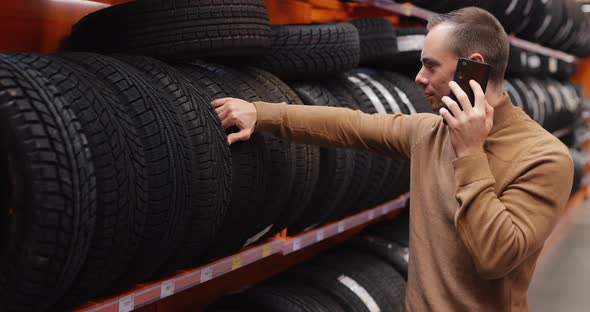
(438, 65)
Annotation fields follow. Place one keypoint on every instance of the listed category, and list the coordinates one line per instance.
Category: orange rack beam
(42, 25)
(406, 9)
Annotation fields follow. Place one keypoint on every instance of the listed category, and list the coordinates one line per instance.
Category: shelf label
(236, 262)
(126, 304)
(341, 227)
(408, 9)
(206, 274)
(552, 65)
(319, 235)
(266, 250)
(296, 244)
(167, 289)
(410, 43)
(371, 215)
(385, 210)
(534, 61)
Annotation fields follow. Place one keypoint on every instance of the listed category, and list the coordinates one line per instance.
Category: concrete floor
(562, 278)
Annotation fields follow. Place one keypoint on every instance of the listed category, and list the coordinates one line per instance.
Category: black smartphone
(470, 70)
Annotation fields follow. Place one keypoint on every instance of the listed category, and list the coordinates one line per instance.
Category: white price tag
(385, 210)
(126, 304)
(206, 274)
(534, 61)
(371, 215)
(552, 65)
(523, 59)
(410, 43)
(296, 245)
(340, 227)
(320, 235)
(236, 262)
(167, 289)
(266, 250)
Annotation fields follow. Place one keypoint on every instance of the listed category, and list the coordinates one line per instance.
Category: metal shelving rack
(282, 246)
(286, 250)
(285, 247)
(262, 260)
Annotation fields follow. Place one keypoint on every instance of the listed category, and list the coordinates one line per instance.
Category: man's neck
(493, 94)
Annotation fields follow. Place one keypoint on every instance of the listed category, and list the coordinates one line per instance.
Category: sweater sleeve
(386, 134)
(501, 232)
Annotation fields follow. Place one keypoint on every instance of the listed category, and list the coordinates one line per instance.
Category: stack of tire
(114, 169)
(558, 24)
(325, 74)
(522, 62)
(551, 103)
(367, 273)
(124, 156)
(118, 168)
(370, 179)
(343, 280)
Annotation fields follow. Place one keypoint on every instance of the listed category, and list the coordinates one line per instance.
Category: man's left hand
(469, 127)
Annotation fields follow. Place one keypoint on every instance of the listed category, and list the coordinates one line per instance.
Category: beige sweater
(478, 223)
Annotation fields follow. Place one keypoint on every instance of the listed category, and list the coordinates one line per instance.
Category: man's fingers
(480, 97)
(228, 122)
(489, 113)
(222, 113)
(461, 96)
(243, 135)
(447, 116)
(220, 102)
(452, 106)
(236, 112)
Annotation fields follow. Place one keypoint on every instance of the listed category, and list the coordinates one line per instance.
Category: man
(486, 188)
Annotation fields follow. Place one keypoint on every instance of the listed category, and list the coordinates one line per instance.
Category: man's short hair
(476, 30)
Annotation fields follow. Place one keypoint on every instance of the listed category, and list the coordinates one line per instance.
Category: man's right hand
(238, 113)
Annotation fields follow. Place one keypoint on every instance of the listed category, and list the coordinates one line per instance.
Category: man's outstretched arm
(390, 135)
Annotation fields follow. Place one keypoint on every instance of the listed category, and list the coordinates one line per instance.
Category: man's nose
(420, 79)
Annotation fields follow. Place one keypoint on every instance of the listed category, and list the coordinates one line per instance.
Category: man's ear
(477, 57)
